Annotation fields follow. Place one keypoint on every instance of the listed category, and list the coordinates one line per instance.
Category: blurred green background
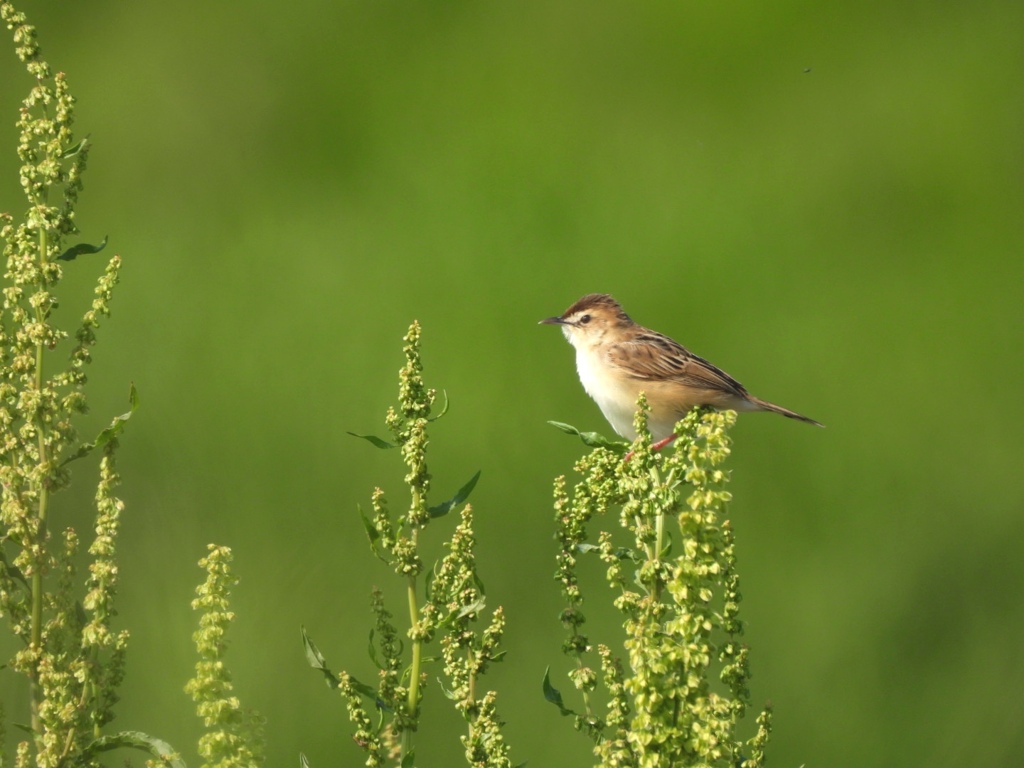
(823, 198)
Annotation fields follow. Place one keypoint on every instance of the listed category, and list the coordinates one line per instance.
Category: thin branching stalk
(68, 651)
(448, 614)
(678, 698)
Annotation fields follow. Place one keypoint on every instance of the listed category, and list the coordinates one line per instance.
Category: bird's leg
(663, 442)
(655, 447)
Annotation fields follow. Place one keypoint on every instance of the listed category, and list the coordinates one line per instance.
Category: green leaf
(461, 495)
(368, 692)
(12, 570)
(372, 534)
(373, 652)
(478, 583)
(666, 551)
(408, 759)
(303, 762)
(443, 410)
(375, 440)
(371, 530)
(591, 439)
(428, 584)
(476, 606)
(551, 694)
(317, 661)
(111, 432)
(136, 740)
(313, 655)
(82, 248)
(622, 553)
(74, 149)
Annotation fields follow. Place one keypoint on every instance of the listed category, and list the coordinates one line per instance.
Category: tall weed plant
(669, 692)
(69, 651)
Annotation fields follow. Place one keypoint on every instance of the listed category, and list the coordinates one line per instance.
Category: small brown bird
(617, 359)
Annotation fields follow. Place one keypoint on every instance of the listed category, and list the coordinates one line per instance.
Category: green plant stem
(36, 634)
(417, 648)
(69, 742)
(659, 536)
(471, 695)
(413, 701)
(583, 691)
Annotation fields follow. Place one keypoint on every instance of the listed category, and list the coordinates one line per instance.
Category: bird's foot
(655, 447)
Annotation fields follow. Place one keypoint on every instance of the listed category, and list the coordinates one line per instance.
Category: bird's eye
(584, 319)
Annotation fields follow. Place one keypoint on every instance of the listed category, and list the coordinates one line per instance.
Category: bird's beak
(552, 321)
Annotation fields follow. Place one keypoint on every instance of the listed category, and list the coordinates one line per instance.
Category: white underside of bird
(614, 396)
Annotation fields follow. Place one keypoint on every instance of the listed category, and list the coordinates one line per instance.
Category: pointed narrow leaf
(371, 530)
(622, 553)
(313, 655)
(444, 410)
(317, 661)
(372, 534)
(12, 570)
(375, 440)
(461, 495)
(368, 692)
(303, 762)
(448, 693)
(108, 434)
(479, 584)
(551, 694)
(428, 584)
(590, 439)
(74, 149)
(82, 248)
(667, 550)
(373, 652)
(137, 740)
(474, 607)
(409, 759)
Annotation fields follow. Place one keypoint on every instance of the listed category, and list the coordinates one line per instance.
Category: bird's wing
(651, 356)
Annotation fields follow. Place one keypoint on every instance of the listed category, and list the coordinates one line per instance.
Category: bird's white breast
(610, 391)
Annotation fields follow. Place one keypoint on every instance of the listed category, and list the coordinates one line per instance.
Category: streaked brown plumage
(617, 359)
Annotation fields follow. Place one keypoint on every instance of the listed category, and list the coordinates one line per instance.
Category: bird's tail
(764, 405)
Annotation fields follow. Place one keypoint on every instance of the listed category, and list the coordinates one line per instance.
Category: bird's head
(590, 319)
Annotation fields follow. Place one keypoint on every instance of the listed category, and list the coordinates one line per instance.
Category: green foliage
(677, 589)
(70, 653)
(234, 735)
(454, 603)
